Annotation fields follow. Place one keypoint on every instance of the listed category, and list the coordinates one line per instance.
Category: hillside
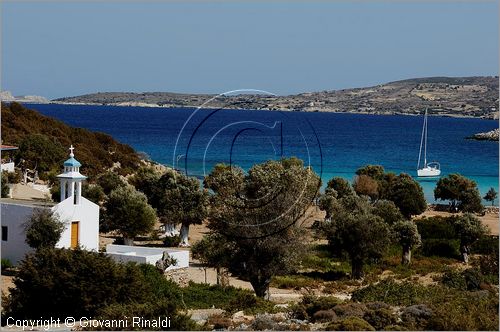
(452, 96)
(44, 141)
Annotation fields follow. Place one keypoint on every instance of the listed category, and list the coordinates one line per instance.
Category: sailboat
(431, 169)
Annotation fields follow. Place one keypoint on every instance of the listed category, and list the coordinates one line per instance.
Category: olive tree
(254, 218)
(469, 229)
(43, 229)
(406, 234)
(366, 186)
(460, 191)
(407, 195)
(128, 212)
(491, 195)
(357, 232)
(180, 199)
(341, 187)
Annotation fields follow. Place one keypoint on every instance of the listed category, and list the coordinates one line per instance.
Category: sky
(57, 49)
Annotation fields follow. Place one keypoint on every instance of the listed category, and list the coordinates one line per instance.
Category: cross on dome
(71, 148)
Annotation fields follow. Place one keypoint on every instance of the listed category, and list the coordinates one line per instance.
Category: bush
(172, 241)
(350, 324)
(324, 316)
(486, 245)
(231, 299)
(6, 264)
(397, 293)
(440, 248)
(380, 318)
(463, 312)
(60, 283)
(416, 316)
(436, 228)
(309, 305)
(350, 309)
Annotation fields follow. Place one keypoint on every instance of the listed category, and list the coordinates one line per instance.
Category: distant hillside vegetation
(43, 142)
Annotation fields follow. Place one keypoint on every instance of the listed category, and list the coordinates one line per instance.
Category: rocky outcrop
(488, 136)
(8, 97)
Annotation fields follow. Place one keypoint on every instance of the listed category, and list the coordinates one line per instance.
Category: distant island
(445, 96)
(491, 135)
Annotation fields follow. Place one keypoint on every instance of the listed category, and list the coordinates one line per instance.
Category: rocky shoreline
(488, 136)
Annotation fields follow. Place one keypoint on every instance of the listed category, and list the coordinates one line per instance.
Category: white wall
(148, 255)
(14, 216)
(87, 214)
(9, 167)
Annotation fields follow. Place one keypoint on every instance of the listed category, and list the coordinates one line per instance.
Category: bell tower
(70, 180)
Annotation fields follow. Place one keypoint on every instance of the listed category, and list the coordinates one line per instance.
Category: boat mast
(425, 146)
(424, 132)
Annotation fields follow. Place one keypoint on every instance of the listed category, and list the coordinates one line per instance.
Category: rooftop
(26, 202)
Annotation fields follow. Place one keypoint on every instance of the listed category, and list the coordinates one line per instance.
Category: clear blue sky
(58, 49)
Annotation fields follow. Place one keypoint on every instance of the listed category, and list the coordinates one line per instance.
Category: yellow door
(74, 234)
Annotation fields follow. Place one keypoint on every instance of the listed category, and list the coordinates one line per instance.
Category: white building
(7, 162)
(80, 216)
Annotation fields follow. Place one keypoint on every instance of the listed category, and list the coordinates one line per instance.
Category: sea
(333, 144)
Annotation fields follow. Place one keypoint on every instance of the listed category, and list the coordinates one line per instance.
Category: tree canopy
(357, 232)
(43, 229)
(128, 212)
(254, 218)
(460, 191)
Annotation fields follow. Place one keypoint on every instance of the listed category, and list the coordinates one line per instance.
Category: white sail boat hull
(428, 172)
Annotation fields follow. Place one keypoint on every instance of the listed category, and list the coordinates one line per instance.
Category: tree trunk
(170, 230)
(464, 251)
(217, 269)
(357, 269)
(261, 286)
(184, 236)
(128, 241)
(406, 258)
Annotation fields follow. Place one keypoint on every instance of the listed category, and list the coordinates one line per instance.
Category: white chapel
(80, 216)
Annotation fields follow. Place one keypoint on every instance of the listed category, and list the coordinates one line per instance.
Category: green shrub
(231, 299)
(350, 309)
(464, 312)
(440, 247)
(309, 305)
(380, 318)
(350, 324)
(470, 279)
(172, 241)
(454, 279)
(292, 281)
(436, 228)
(397, 293)
(324, 316)
(6, 264)
(486, 245)
(60, 283)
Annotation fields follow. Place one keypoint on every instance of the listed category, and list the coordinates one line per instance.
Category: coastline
(170, 106)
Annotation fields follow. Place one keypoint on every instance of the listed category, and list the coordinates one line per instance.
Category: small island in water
(491, 135)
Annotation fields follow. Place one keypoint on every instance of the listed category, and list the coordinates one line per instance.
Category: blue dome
(72, 162)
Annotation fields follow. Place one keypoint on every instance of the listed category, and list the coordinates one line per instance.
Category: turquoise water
(333, 144)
